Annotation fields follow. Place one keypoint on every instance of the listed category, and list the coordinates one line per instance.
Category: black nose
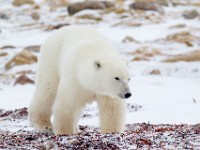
(127, 95)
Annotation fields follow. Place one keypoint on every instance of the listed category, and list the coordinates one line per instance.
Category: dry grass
(145, 53)
(192, 56)
(24, 57)
(183, 37)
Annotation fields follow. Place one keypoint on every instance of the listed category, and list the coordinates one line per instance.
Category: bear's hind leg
(112, 114)
(41, 108)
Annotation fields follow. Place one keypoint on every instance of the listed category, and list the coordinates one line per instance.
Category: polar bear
(78, 65)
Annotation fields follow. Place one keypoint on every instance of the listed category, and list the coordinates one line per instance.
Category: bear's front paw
(64, 130)
(42, 126)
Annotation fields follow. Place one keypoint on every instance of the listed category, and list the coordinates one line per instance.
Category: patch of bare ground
(183, 37)
(192, 56)
(24, 57)
(145, 53)
(136, 136)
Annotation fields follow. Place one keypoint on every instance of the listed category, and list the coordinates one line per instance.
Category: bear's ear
(97, 64)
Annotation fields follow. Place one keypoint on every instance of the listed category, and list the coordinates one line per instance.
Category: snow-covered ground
(171, 97)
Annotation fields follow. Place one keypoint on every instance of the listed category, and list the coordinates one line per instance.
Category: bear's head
(107, 78)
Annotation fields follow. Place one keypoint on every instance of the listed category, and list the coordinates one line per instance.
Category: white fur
(77, 65)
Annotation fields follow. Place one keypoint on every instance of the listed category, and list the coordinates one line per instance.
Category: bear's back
(60, 48)
(73, 35)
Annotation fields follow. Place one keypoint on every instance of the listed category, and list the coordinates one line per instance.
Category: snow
(9, 37)
(165, 100)
(172, 97)
(15, 97)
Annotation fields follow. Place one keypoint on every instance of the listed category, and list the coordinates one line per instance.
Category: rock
(129, 23)
(155, 72)
(196, 4)
(50, 145)
(2, 54)
(149, 54)
(179, 2)
(146, 51)
(188, 43)
(90, 16)
(76, 7)
(57, 26)
(57, 3)
(128, 39)
(120, 10)
(133, 107)
(8, 47)
(146, 5)
(157, 19)
(25, 72)
(181, 25)
(183, 37)
(72, 141)
(22, 2)
(35, 16)
(4, 16)
(24, 57)
(23, 79)
(36, 6)
(191, 14)
(34, 48)
(163, 2)
(139, 58)
(192, 56)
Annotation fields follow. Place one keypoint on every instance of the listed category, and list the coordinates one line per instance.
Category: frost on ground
(137, 135)
(161, 46)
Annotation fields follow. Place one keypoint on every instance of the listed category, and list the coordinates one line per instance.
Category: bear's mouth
(121, 96)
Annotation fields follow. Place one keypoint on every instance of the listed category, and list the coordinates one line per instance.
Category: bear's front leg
(66, 111)
(66, 117)
(112, 114)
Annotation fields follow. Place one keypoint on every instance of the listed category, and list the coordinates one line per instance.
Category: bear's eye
(129, 79)
(117, 78)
